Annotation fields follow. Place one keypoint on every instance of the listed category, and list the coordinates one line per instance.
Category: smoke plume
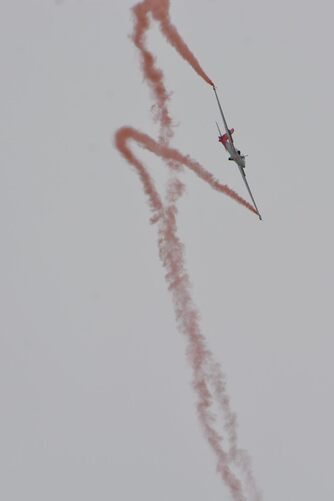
(233, 464)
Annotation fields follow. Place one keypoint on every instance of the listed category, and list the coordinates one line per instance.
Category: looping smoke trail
(208, 382)
(160, 11)
(170, 154)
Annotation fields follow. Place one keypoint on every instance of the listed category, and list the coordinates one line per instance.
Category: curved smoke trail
(124, 134)
(233, 464)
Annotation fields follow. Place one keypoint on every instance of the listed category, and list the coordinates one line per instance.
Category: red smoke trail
(233, 463)
(160, 12)
(125, 133)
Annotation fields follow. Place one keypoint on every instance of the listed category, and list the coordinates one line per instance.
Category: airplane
(235, 154)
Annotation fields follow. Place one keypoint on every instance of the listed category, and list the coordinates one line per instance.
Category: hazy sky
(95, 386)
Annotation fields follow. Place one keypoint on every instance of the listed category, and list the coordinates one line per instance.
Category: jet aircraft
(234, 154)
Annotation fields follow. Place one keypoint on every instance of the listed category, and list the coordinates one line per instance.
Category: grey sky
(95, 387)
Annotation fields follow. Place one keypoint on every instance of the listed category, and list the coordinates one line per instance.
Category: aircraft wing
(223, 117)
(243, 175)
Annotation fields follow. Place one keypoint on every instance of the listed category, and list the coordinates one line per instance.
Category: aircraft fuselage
(234, 155)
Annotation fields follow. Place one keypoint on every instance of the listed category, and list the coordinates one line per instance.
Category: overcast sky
(96, 401)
